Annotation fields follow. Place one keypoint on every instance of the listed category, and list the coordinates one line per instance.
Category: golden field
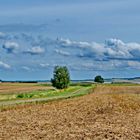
(12, 88)
(112, 112)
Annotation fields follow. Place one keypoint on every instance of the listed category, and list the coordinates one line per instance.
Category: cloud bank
(112, 49)
(44, 53)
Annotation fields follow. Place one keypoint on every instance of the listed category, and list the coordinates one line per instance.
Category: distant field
(110, 113)
(118, 89)
(12, 88)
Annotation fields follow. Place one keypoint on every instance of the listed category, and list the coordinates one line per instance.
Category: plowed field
(109, 113)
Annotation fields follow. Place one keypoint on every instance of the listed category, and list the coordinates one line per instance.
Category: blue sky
(89, 36)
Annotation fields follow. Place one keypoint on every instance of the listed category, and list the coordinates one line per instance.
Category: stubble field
(12, 88)
(111, 113)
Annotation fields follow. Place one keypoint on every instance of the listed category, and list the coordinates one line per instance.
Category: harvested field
(118, 89)
(98, 116)
(12, 88)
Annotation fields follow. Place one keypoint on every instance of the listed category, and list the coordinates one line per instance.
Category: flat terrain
(12, 88)
(17, 93)
(111, 113)
(43, 96)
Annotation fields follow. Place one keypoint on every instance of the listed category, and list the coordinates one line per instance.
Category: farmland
(12, 88)
(109, 112)
(15, 93)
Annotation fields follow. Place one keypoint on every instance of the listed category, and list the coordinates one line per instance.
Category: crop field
(109, 112)
(12, 88)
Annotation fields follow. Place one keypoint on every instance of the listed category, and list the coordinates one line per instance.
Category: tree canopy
(61, 77)
(99, 79)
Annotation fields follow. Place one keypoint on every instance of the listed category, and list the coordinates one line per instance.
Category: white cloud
(69, 43)
(111, 49)
(26, 68)
(134, 64)
(113, 54)
(2, 35)
(114, 42)
(44, 65)
(35, 51)
(4, 65)
(64, 53)
(11, 47)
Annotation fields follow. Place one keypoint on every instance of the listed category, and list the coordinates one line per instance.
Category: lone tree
(99, 79)
(61, 77)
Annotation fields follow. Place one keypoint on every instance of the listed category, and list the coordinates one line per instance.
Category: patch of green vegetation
(14, 96)
(57, 92)
(40, 93)
(24, 95)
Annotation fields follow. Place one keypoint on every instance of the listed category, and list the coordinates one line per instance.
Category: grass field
(112, 112)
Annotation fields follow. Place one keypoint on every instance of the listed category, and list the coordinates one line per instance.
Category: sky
(90, 37)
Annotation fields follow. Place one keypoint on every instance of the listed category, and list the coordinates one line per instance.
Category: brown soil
(104, 116)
